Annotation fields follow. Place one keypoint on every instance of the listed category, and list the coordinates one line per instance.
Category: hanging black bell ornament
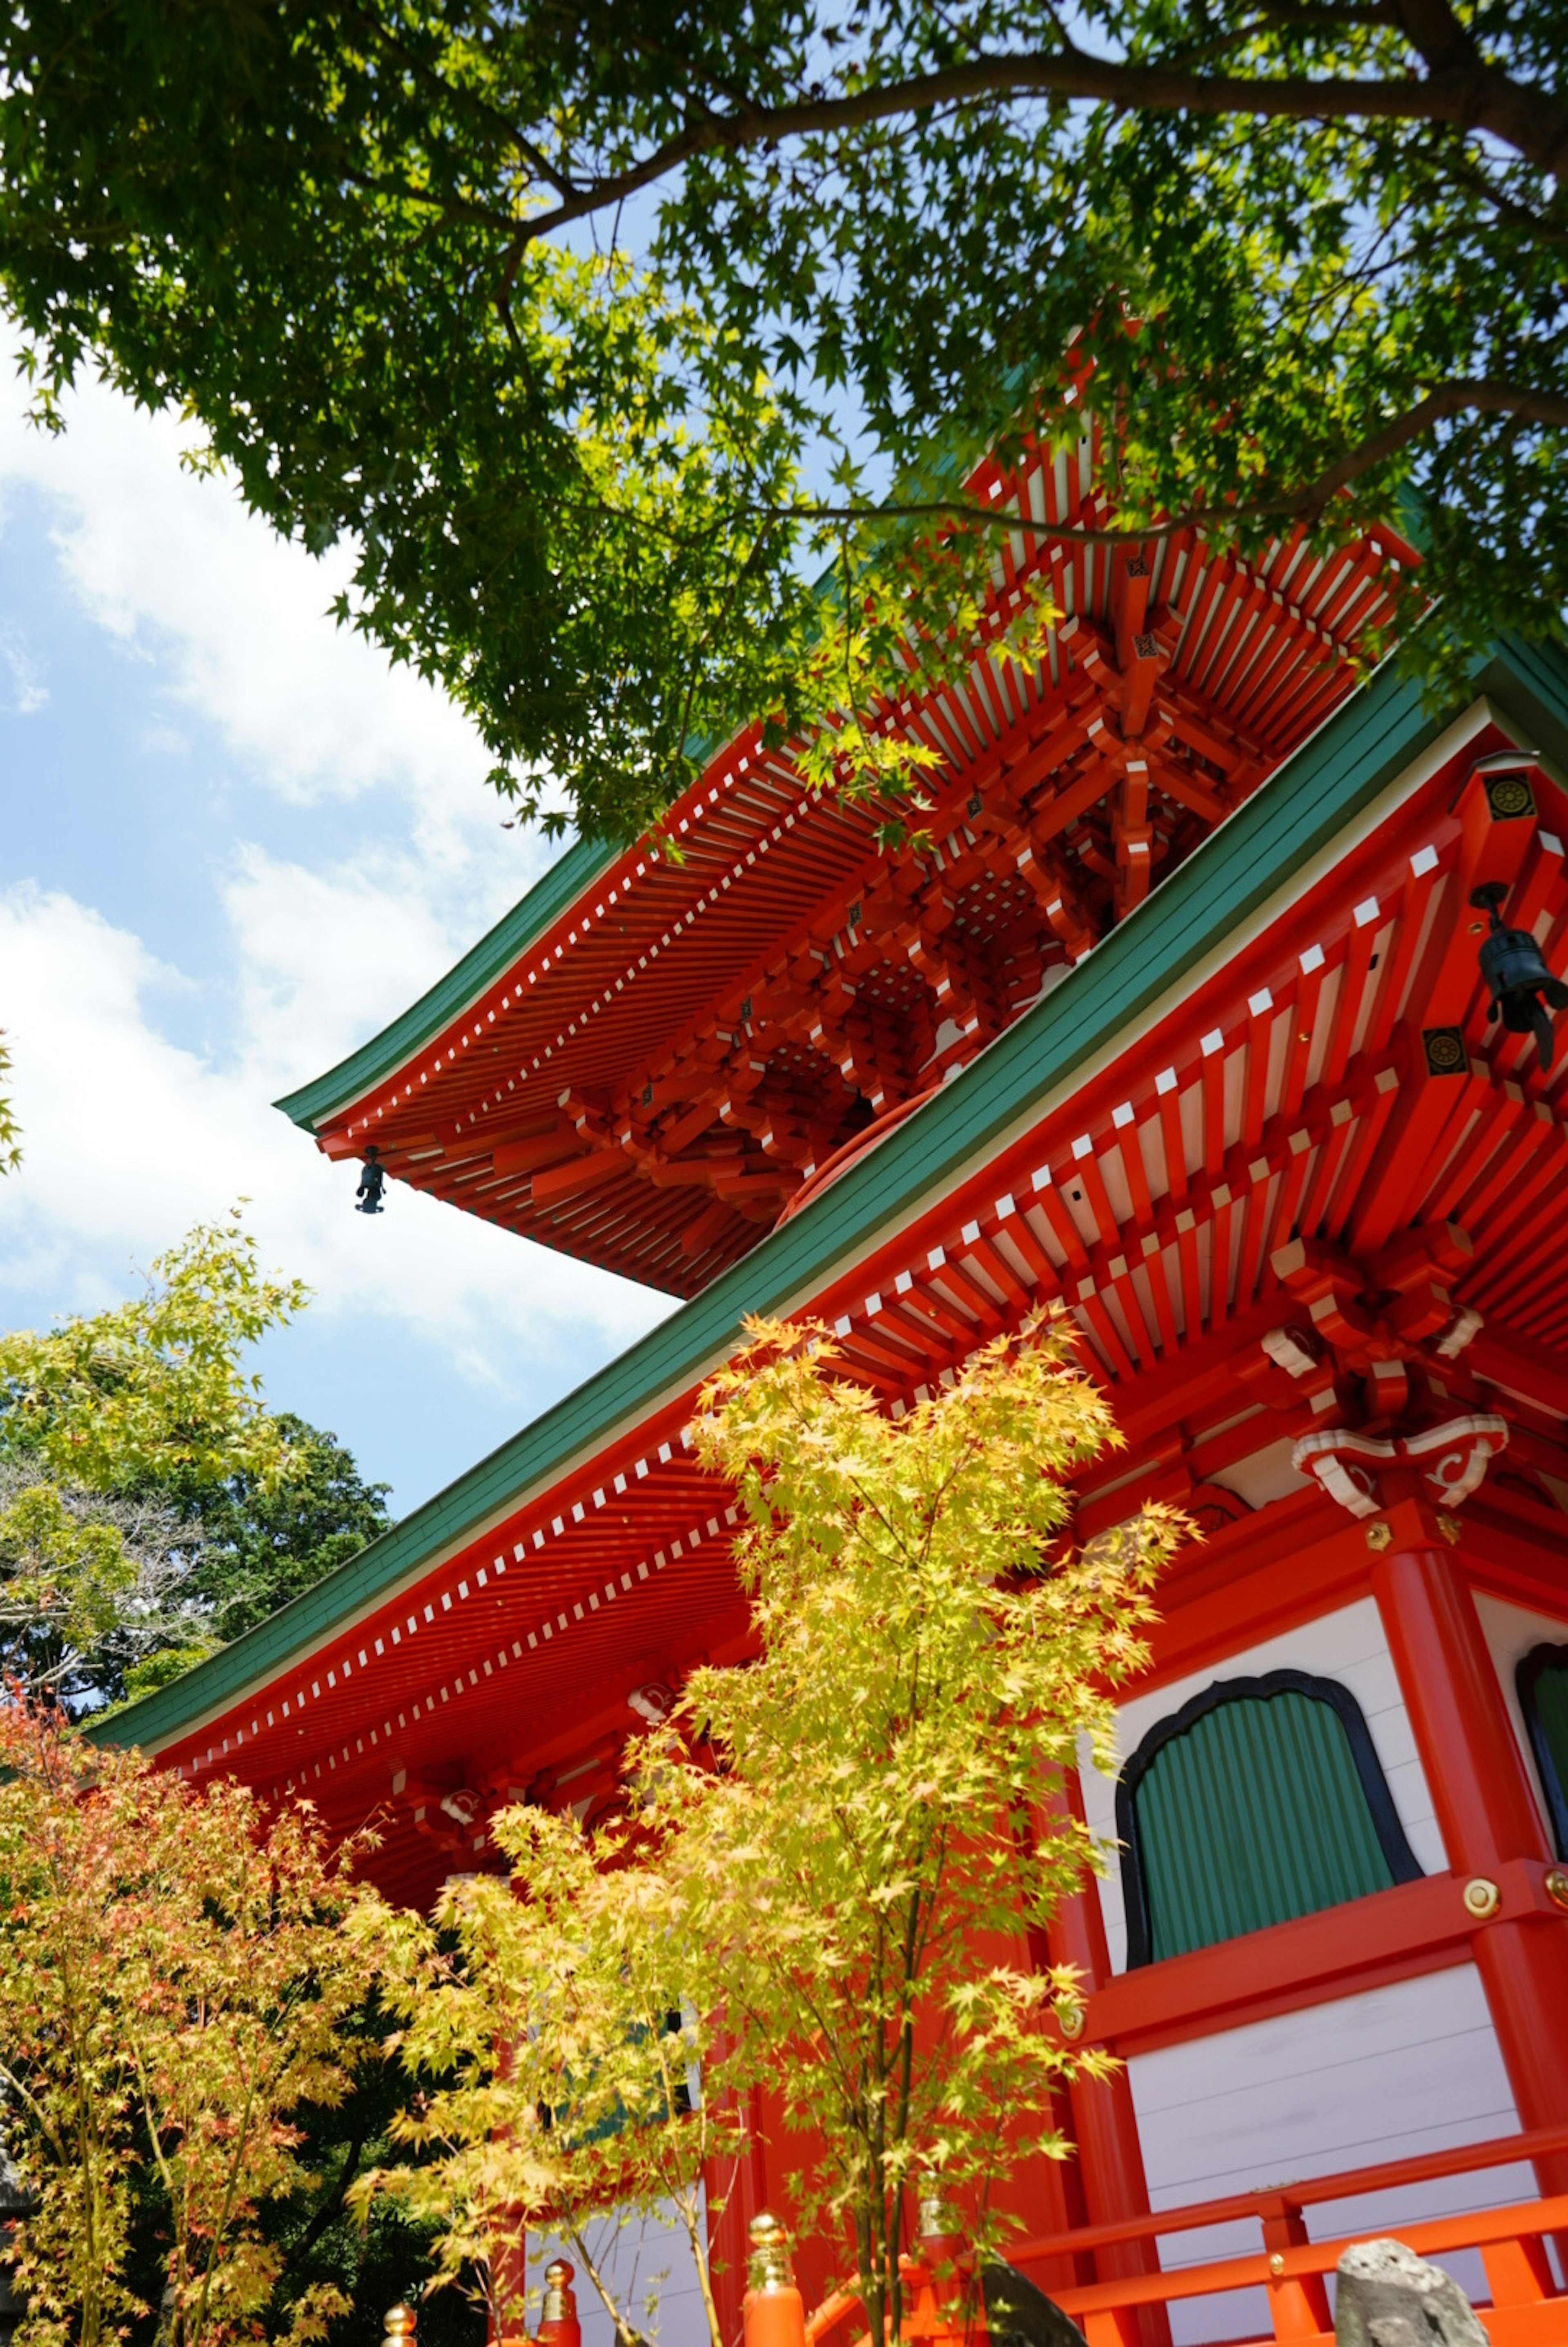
(372, 1181)
(1516, 975)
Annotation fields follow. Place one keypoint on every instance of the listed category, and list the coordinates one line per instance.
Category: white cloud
(130, 1138)
(235, 620)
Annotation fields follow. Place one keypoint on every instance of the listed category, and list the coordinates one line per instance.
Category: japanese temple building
(1177, 1017)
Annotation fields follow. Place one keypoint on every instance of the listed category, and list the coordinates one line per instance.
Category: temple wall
(1410, 2067)
(1348, 1646)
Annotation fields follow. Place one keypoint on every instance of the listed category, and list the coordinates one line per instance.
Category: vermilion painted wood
(1526, 2310)
(1182, 1393)
(609, 984)
(1109, 2161)
(1418, 1926)
(1306, 2192)
(1433, 2236)
(1486, 1810)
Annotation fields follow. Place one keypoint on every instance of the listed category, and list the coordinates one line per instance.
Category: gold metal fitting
(1276, 2262)
(1555, 1883)
(400, 2321)
(1379, 1536)
(1482, 1897)
(769, 2267)
(1449, 1527)
(1070, 2020)
(560, 2300)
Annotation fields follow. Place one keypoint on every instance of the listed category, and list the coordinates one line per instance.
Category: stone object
(1017, 2314)
(1387, 2297)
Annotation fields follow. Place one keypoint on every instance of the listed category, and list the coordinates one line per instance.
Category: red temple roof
(648, 1060)
(1273, 1104)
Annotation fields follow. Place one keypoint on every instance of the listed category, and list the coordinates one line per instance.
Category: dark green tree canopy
(603, 327)
(257, 1545)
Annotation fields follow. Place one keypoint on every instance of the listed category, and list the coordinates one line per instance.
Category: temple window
(1542, 1682)
(1260, 1800)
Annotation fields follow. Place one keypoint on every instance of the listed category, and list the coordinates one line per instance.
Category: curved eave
(374, 1063)
(1293, 817)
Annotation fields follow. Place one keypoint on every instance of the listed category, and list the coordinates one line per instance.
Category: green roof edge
(1296, 812)
(513, 933)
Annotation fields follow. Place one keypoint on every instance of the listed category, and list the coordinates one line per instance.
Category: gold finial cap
(560, 2300)
(769, 2267)
(401, 2322)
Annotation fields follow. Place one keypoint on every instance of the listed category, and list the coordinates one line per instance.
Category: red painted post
(508, 2324)
(1105, 2124)
(1487, 1814)
(775, 2312)
(1042, 2195)
(737, 2192)
(558, 2325)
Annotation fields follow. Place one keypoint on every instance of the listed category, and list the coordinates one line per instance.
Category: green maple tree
(154, 1390)
(549, 2014)
(176, 1971)
(930, 1656)
(812, 1853)
(601, 331)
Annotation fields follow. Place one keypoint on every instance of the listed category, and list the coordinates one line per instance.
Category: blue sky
(233, 843)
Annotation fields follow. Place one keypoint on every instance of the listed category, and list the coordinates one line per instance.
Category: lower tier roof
(1244, 1062)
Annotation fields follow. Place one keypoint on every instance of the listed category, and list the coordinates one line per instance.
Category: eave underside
(674, 1058)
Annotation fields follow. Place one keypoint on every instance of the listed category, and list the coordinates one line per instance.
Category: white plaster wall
(1348, 1646)
(1265, 1475)
(647, 2264)
(1510, 1631)
(1411, 2068)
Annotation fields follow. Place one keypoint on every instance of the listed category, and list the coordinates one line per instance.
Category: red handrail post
(558, 2325)
(775, 2312)
(1517, 2271)
(1297, 2303)
(1117, 2326)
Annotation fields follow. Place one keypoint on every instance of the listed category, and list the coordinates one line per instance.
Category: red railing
(1526, 2308)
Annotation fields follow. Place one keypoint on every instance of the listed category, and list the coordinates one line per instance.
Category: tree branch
(1470, 94)
(1477, 396)
(1471, 395)
(466, 100)
(1529, 120)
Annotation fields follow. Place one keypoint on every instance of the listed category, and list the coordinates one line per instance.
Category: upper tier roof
(646, 1062)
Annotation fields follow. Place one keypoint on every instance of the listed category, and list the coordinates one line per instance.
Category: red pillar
(509, 2289)
(1485, 1809)
(1104, 2125)
(737, 2191)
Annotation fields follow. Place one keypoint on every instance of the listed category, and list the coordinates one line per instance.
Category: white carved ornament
(1452, 1458)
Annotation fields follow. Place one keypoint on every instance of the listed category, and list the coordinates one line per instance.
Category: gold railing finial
(769, 2267)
